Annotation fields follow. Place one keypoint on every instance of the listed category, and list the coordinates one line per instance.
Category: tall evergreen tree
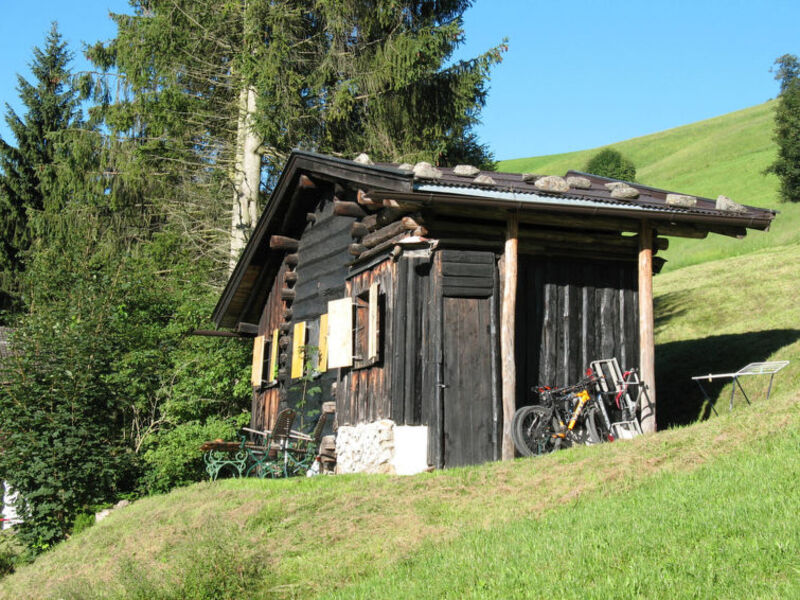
(217, 90)
(787, 128)
(51, 106)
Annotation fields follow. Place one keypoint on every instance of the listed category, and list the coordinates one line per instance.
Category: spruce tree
(212, 87)
(51, 106)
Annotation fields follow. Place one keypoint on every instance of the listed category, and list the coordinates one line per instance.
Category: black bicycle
(564, 417)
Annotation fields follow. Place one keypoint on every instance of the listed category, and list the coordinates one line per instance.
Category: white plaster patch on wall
(410, 449)
(365, 448)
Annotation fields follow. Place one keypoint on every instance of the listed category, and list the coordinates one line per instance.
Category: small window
(353, 331)
(264, 369)
(366, 329)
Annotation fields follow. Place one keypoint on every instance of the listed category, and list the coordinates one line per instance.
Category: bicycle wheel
(532, 434)
(595, 429)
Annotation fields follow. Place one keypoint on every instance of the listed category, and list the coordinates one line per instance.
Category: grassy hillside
(725, 155)
(702, 511)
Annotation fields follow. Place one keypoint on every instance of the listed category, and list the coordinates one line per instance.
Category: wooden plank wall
(266, 400)
(569, 313)
(410, 338)
(365, 394)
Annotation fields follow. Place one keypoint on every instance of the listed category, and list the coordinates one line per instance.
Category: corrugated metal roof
(512, 186)
(510, 191)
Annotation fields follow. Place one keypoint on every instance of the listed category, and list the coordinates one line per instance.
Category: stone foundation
(381, 447)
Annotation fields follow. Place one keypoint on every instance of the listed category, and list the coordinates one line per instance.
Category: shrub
(172, 457)
(610, 163)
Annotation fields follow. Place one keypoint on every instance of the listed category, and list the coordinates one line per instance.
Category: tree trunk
(246, 176)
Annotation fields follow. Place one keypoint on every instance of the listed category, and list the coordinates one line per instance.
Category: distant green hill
(724, 155)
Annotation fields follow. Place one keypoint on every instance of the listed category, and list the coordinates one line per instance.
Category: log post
(646, 326)
(507, 332)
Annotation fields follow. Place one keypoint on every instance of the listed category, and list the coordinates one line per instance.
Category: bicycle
(564, 417)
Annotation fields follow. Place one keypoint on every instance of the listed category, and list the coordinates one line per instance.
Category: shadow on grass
(680, 400)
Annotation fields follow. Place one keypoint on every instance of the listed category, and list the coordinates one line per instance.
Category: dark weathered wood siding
(321, 269)
(569, 313)
(365, 393)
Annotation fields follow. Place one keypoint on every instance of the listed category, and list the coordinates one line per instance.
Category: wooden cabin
(430, 301)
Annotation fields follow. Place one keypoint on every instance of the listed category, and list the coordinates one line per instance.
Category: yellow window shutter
(258, 361)
(323, 343)
(340, 333)
(273, 358)
(298, 356)
(372, 320)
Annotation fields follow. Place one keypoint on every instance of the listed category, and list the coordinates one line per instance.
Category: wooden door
(468, 398)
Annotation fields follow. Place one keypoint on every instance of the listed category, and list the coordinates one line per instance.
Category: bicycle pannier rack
(618, 386)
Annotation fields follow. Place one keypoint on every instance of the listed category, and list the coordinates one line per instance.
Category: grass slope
(702, 511)
(725, 155)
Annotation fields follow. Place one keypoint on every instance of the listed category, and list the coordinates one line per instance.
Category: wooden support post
(507, 332)
(646, 326)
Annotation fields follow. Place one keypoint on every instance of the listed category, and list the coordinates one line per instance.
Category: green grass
(725, 155)
(707, 510)
(711, 533)
(725, 477)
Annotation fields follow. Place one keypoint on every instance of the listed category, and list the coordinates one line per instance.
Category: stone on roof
(579, 183)
(625, 191)
(681, 200)
(425, 170)
(529, 177)
(466, 170)
(363, 159)
(725, 203)
(484, 179)
(552, 183)
(406, 167)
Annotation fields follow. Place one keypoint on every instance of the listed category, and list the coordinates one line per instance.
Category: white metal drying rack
(756, 368)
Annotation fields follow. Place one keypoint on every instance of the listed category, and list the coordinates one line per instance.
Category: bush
(610, 163)
(82, 522)
(173, 458)
(11, 552)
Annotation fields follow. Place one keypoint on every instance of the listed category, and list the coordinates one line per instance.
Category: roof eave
(533, 201)
(316, 164)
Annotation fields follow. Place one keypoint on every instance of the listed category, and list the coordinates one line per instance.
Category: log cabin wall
(569, 313)
(307, 279)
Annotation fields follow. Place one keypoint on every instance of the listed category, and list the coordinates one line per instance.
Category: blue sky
(578, 74)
